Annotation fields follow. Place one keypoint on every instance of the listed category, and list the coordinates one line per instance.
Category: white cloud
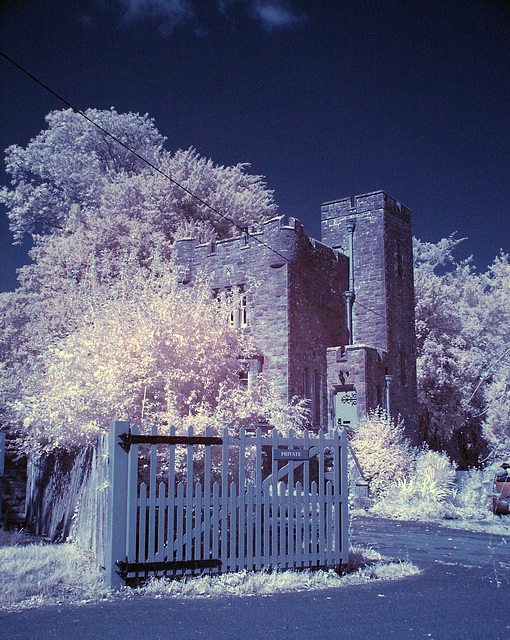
(169, 13)
(275, 14)
(224, 5)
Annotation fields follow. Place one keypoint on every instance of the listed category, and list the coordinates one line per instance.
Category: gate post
(117, 504)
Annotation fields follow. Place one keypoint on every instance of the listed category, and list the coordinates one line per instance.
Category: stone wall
(317, 320)
(13, 486)
(54, 485)
(248, 262)
(295, 308)
(383, 311)
(362, 367)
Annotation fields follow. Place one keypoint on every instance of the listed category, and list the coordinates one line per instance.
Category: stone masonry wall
(400, 315)
(295, 308)
(383, 312)
(317, 318)
(13, 485)
(244, 261)
(362, 367)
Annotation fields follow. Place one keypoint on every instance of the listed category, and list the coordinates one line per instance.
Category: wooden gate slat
(322, 503)
(198, 521)
(215, 520)
(306, 504)
(170, 536)
(266, 502)
(258, 499)
(142, 556)
(283, 506)
(161, 516)
(179, 533)
(188, 553)
(224, 499)
(151, 499)
(207, 498)
(274, 505)
(232, 555)
(344, 520)
(314, 524)
(251, 525)
(132, 498)
(241, 483)
(284, 520)
(330, 537)
(299, 551)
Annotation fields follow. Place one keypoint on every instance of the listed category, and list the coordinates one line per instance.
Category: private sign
(290, 454)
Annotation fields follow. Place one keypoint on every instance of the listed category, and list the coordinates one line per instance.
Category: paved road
(428, 544)
(463, 593)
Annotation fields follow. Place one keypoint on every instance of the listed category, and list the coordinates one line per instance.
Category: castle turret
(374, 231)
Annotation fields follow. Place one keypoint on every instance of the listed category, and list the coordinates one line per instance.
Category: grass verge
(37, 574)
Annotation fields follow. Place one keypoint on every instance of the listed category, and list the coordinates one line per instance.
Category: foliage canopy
(98, 328)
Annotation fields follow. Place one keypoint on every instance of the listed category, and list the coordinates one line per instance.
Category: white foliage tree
(147, 351)
(81, 194)
(70, 163)
(96, 210)
(462, 346)
(495, 380)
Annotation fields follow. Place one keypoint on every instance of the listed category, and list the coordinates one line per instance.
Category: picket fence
(187, 505)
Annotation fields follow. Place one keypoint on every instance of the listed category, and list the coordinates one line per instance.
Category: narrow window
(232, 315)
(243, 307)
(306, 384)
(244, 378)
(238, 315)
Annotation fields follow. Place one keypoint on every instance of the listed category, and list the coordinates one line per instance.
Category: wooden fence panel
(196, 514)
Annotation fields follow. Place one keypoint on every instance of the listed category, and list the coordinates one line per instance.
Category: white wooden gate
(186, 505)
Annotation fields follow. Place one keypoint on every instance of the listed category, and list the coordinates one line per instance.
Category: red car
(501, 490)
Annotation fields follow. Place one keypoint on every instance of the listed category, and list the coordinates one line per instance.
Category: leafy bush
(427, 492)
(413, 483)
(385, 455)
(432, 491)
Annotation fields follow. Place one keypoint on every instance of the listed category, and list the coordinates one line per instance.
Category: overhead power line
(368, 309)
(154, 167)
(140, 157)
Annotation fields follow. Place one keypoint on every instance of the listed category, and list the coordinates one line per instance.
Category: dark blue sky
(327, 99)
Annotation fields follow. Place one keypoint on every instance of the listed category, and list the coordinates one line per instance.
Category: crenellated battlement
(274, 243)
(364, 203)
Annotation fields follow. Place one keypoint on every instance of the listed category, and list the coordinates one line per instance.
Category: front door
(346, 407)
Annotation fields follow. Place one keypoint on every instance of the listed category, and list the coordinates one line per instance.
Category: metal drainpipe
(388, 380)
(349, 295)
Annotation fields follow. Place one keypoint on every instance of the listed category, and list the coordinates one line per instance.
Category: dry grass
(364, 565)
(32, 575)
(35, 575)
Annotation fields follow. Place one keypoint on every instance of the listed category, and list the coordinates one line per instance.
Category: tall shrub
(385, 455)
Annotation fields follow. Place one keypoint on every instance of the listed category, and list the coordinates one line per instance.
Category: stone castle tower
(374, 231)
(333, 320)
